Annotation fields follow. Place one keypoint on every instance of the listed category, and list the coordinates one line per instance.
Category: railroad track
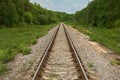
(60, 61)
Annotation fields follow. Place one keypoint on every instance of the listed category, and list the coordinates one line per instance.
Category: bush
(26, 51)
(117, 23)
(20, 48)
(34, 41)
(43, 20)
(28, 17)
(6, 56)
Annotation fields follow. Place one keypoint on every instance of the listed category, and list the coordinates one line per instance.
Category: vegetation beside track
(17, 40)
(107, 37)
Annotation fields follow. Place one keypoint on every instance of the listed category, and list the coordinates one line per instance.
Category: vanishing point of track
(60, 61)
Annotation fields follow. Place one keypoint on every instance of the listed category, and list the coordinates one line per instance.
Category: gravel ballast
(97, 63)
(94, 61)
(60, 62)
(23, 66)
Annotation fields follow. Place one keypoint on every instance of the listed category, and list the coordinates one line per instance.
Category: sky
(68, 6)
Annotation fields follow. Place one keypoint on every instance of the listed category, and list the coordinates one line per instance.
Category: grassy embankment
(107, 37)
(17, 40)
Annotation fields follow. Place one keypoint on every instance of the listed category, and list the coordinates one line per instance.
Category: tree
(22, 11)
(8, 14)
(43, 19)
(28, 17)
(101, 13)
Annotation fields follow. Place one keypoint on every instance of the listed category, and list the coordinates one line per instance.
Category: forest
(17, 12)
(101, 21)
(100, 13)
(22, 23)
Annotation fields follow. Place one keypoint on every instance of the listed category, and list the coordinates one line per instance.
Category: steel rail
(44, 56)
(76, 56)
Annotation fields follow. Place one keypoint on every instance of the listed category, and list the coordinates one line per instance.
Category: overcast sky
(68, 6)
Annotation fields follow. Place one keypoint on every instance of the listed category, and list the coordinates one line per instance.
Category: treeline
(16, 12)
(100, 13)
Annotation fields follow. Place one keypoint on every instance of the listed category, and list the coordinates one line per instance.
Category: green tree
(28, 17)
(43, 19)
(100, 13)
(8, 13)
(22, 11)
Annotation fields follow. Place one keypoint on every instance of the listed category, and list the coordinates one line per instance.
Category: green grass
(107, 37)
(18, 39)
(6, 56)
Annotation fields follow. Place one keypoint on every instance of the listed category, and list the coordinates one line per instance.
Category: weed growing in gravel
(31, 62)
(3, 68)
(52, 75)
(90, 64)
(115, 62)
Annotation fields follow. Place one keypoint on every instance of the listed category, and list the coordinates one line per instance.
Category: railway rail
(67, 62)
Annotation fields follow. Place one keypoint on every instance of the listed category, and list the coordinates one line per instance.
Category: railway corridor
(60, 64)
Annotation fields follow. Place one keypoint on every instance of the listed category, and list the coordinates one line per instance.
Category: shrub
(20, 48)
(43, 20)
(28, 17)
(34, 41)
(26, 51)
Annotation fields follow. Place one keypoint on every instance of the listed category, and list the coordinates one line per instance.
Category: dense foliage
(100, 13)
(15, 12)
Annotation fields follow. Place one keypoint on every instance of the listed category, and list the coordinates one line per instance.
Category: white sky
(68, 6)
